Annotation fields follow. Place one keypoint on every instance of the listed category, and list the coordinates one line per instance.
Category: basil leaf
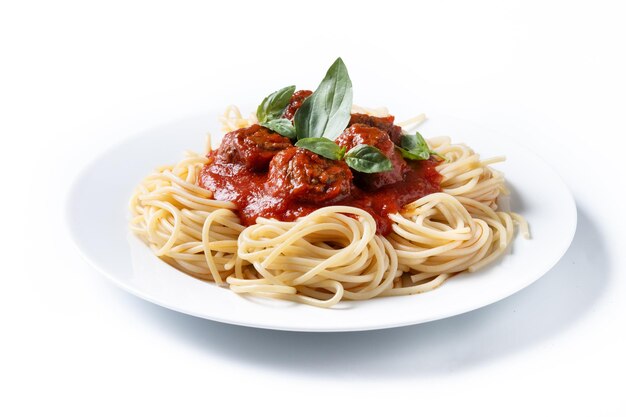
(414, 155)
(413, 142)
(322, 146)
(273, 106)
(368, 159)
(414, 147)
(326, 113)
(283, 127)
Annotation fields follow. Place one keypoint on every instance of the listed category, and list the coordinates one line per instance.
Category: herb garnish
(414, 147)
(324, 147)
(273, 106)
(271, 109)
(362, 158)
(368, 159)
(283, 127)
(322, 117)
(326, 113)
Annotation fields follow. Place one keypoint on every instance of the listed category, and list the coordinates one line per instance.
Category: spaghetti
(333, 253)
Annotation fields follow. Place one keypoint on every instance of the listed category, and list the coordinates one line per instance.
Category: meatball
(252, 146)
(383, 123)
(296, 101)
(361, 134)
(308, 177)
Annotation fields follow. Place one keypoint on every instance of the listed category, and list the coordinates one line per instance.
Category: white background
(77, 77)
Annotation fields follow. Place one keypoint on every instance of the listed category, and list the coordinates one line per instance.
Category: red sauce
(296, 182)
(383, 123)
(296, 101)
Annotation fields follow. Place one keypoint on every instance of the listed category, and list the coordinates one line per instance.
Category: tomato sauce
(255, 197)
(288, 182)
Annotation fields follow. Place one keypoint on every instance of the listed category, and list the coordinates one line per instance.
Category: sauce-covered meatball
(383, 123)
(308, 177)
(361, 134)
(296, 101)
(252, 146)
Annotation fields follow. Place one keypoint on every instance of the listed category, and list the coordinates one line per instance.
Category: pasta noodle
(333, 253)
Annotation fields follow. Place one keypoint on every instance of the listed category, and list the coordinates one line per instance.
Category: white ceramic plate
(98, 219)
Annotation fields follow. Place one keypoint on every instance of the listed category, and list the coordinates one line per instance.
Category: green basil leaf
(273, 106)
(414, 155)
(283, 127)
(322, 146)
(414, 147)
(368, 159)
(408, 142)
(326, 113)
(413, 142)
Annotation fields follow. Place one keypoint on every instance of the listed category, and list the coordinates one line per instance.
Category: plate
(97, 215)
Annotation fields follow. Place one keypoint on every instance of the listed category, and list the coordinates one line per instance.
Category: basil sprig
(273, 106)
(283, 127)
(414, 147)
(320, 118)
(368, 159)
(326, 113)
(271, 109)
(324, 147)
(362, 158)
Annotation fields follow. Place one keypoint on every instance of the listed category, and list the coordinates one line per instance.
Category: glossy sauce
(256, 197)
(266, 176)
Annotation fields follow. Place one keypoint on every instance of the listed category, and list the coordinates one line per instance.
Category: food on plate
(315, 200)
